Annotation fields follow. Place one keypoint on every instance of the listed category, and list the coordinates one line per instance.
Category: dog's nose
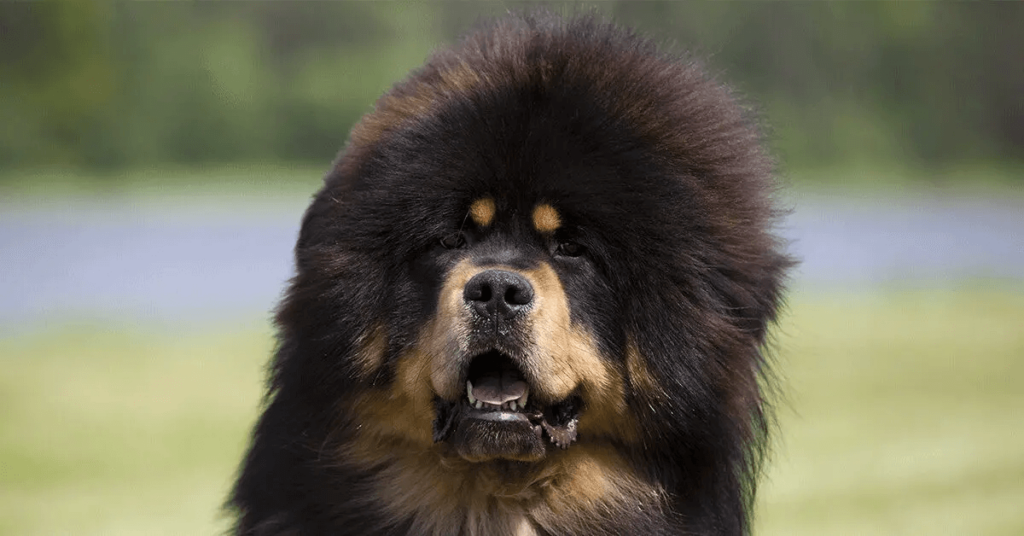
(498, 293)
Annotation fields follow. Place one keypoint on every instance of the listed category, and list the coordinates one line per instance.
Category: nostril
(519, 295)
(494, 292)
(479, 292)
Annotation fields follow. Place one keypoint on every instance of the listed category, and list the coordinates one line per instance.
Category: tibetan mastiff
(531, 298)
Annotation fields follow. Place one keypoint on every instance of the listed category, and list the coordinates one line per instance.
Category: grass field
(904, 414)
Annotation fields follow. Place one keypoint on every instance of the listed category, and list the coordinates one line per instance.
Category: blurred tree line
(118, 84)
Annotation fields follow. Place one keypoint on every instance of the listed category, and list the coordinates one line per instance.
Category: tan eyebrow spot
(546, 218)
(482, 211)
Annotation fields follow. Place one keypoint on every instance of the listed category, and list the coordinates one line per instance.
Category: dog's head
(539, 240)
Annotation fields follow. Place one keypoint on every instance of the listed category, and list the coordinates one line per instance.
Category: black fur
(664, 192)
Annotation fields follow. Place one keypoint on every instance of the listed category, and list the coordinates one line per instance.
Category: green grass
(903, 415)
(124, 432)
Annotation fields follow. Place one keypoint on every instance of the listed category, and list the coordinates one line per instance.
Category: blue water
(205, 258)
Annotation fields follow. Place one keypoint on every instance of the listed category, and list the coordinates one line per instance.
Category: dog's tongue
(497, 387)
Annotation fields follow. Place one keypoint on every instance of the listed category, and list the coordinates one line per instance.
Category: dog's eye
(569, 248)
(453, 241)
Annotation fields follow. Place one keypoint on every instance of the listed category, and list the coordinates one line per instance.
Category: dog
(532, 298)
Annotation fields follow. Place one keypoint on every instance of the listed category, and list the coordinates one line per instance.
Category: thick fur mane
(618, 202)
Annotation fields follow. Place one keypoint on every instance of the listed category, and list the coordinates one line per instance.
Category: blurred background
(155, 160)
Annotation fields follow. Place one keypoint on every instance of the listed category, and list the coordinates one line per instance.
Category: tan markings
(482, 211)
(640, 377)
(560, 357)
(370, 348)
(446, 336)
(596, 487)
(568, 492)
(567, 358)
(546, 218)
(404, 412)
(564, 491)
(460, 77)
(525, 528)
(397, 415)
(449, 495)
(414, 98)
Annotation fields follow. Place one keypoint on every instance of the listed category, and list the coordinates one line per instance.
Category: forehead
(535, 166)
(544, 217)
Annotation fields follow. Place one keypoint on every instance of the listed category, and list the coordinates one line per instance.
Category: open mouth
(497, 392)
(494, 384)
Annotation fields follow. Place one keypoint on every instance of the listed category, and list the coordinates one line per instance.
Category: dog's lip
(558, 421)
(499, 416)
(511, 402)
